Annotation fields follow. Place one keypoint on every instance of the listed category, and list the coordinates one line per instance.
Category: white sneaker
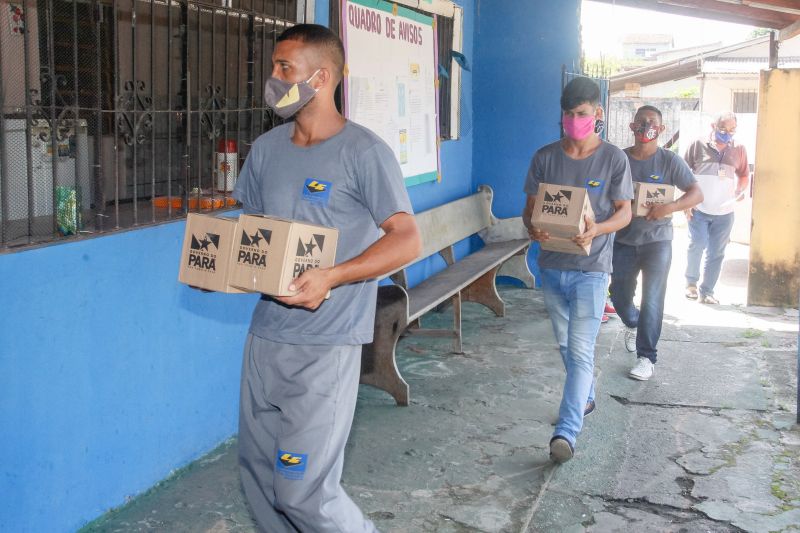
(630, 339)
(643, 369)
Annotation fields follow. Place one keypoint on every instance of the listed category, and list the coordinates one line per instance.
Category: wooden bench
(470, 279)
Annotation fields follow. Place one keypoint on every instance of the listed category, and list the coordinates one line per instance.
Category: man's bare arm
(400, 244)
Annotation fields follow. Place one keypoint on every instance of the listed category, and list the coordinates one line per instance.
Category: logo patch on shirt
(594, 185)
(291, 465)
(317, 191)
(655, 177)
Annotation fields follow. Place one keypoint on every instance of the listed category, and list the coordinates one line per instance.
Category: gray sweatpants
(296, 409)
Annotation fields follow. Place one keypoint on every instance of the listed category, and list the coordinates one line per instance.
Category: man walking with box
(646, 244)
(303, 353)
(575, 284)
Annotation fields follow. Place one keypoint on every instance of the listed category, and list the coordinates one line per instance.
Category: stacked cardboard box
(252, 254)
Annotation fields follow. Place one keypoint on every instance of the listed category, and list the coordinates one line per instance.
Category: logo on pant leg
(291, 465)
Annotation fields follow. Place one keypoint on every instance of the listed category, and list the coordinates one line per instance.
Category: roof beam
(668, 73)
(789, 31)
(715, 10)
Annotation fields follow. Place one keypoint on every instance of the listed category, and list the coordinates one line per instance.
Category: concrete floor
(709, 444)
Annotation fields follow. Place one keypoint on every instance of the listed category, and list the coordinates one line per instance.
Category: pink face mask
(577, 128)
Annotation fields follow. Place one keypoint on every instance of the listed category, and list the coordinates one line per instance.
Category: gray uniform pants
(296, 409)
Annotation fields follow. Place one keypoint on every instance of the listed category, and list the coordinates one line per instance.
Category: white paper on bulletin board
(390, 81)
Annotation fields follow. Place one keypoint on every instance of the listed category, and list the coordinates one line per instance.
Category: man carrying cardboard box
(302, 357)
(646, 244)
(575, 284)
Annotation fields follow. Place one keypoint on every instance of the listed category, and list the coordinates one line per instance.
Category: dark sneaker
(560, 449)
(590, 405)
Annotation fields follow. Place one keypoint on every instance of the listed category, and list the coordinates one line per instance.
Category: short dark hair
(320, 37)
(579, 91)
(652, 108)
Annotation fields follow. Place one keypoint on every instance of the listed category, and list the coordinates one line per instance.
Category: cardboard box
(648, 194)
(270, 252)
(206, 254)
(559, 210)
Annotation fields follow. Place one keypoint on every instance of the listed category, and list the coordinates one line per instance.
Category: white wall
(669, 89)
(718, 90)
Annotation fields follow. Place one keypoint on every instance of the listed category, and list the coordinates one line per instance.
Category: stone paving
(708, 444)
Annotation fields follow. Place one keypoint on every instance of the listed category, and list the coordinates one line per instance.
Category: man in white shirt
(722, 171)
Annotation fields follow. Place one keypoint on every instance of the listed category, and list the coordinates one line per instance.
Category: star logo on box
(307, 250)
(202, 243)
(256, 239)
(200, 257)
(556, 204)
(252, 249)
(562, 197)
(656, 196)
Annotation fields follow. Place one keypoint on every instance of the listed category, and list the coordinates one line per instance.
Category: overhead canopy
(675, 69)
(783, 15)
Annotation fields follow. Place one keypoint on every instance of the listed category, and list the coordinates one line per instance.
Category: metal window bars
(111, 111)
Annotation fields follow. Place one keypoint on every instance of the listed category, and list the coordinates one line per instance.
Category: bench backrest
(445, 225)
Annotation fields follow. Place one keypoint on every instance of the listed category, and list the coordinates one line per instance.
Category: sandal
(691, 292)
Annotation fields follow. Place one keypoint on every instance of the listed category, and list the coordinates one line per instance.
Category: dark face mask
(646, 132)
(287, 98)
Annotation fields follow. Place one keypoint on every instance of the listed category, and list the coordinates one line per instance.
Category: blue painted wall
(112, 374)
(520, 48)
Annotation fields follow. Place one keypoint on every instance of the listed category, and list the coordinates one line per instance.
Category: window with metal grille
(121, 113)
(745, 101)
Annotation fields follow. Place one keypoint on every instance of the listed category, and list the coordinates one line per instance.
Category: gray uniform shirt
(663, 167)
(351, 182)
(607, 177)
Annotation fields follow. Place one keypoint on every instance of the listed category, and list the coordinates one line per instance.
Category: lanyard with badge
(720, 170)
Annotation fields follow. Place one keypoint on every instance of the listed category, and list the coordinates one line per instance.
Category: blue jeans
(575, 301)
(709, 233)
(653, 261)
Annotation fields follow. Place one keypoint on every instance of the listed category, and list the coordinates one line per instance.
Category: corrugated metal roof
(746, 65)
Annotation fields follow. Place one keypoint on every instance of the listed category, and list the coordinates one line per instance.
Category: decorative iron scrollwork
(134, 115)
(212, 121)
